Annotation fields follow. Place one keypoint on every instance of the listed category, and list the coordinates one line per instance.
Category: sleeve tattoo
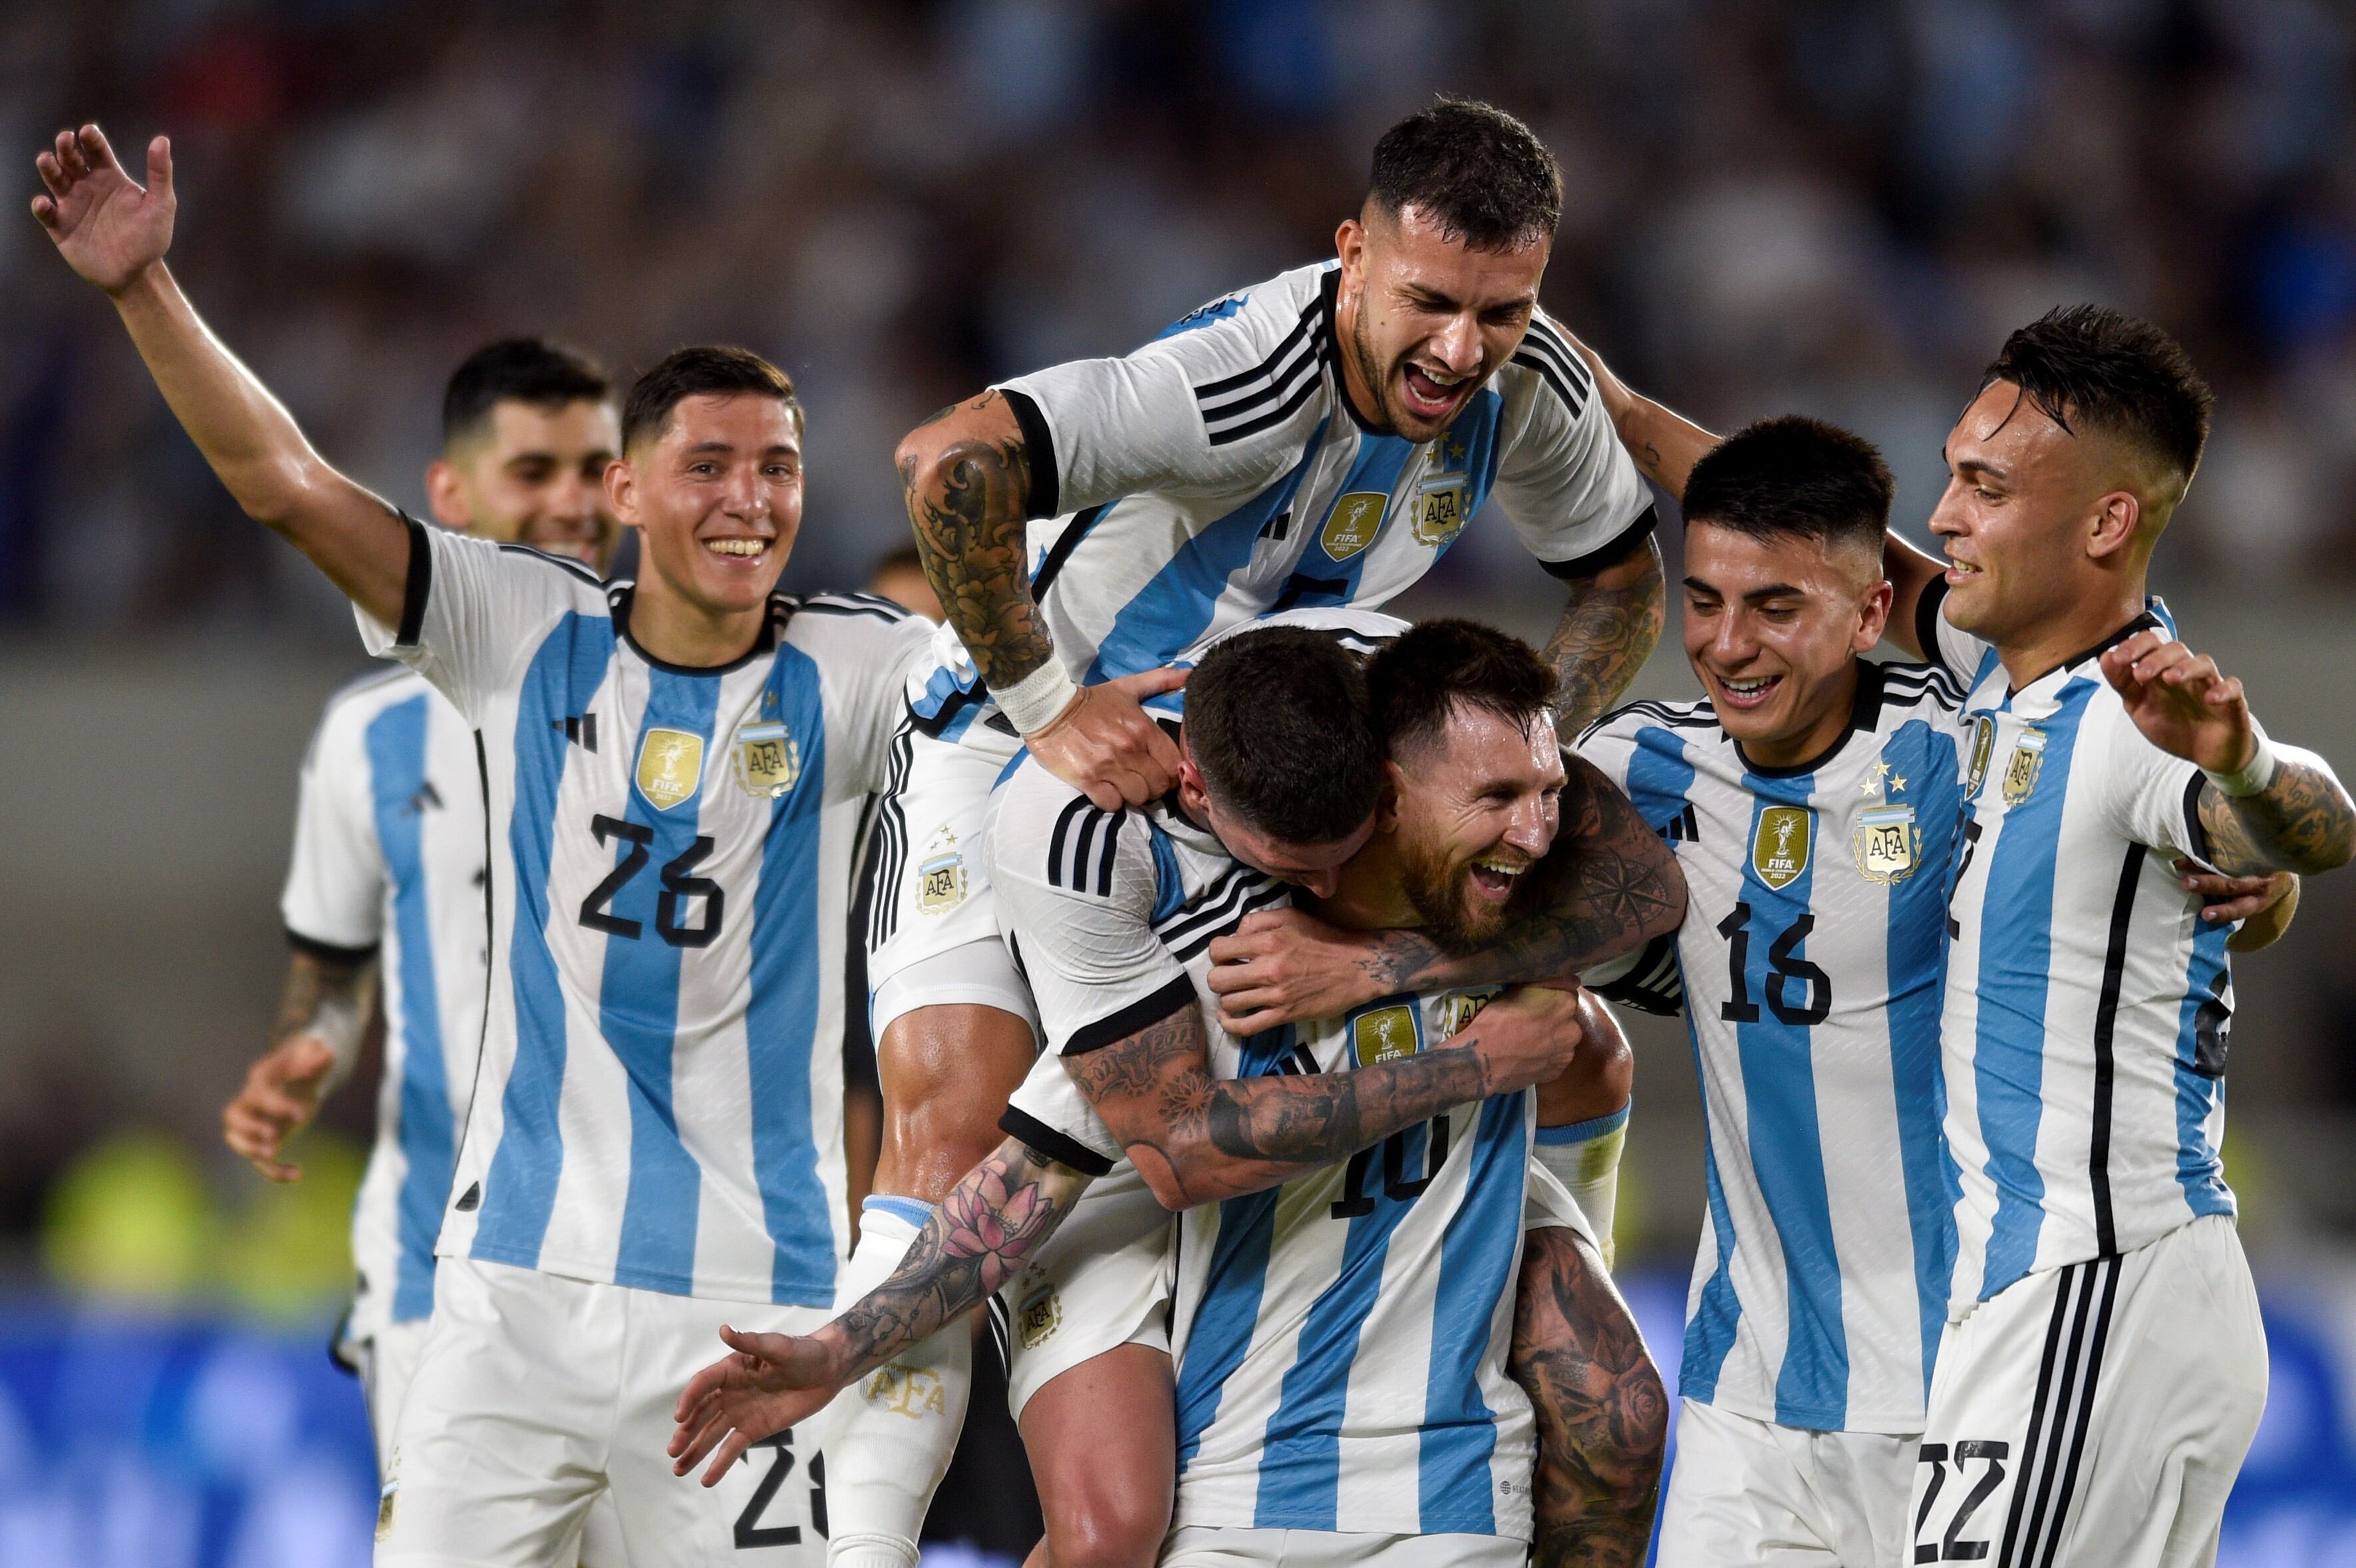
(969, 508)
(1608, 629)
(2301, 822)
(331, 997)
(1602, 1414)
(1196, 1138)
(999, 1214)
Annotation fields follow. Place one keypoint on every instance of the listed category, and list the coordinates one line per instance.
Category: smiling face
(1773, 625)
(1426, 320)
(1474, 809)
(718, 493)
(2031, 515)
(534, 474)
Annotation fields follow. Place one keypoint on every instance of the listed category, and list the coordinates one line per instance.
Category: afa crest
(940, 876)
(2028, 762)
(1357, 519)
(1889, 843)
(1440, 510)
(1779, 846)
(1982, 750)
(912, 1391)
(768, 759)
(1461, 1008)
(1041, 1314)
(670, 766)
(1385, 1034)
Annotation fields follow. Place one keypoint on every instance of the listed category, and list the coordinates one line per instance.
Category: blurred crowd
(1839, 205)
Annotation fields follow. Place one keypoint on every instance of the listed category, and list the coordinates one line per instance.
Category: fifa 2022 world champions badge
(768, 759)
(1383, 1034)
(1982, 750)
(670, 766)
(1779, 845)
(2028, 762)
(1357, 517)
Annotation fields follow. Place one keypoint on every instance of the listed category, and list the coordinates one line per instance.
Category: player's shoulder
(1361, 631)
(1651, 723)
(1546, 369)
(1918, 689)
(1045, 832)
(351, 707)
(1256, 359)
(864, 632)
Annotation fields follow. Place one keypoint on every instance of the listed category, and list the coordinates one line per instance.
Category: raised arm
(114, 234)
(2263, 807)
(966, 475)
(1614, 886)
(1665, 444)
(1197, 1139)
(1911, 572)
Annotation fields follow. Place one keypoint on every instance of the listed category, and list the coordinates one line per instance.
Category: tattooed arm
(1610, 623)
(967, 474)
(1612, 884)
(1666, 445)
(2303, 821)
(1001, 1212)
(324, 1010)
(1196, 1138)
(1602, 1414)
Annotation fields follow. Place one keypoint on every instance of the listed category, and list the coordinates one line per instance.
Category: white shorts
(535, 1395)
(2095, 1414)
(1750, 1491)
(1100, 1282)
(1217, 1546)
(385, 1361)
(932, 933)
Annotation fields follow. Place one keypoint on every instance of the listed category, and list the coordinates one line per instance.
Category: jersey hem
(1285, 1518)
(1958, 1309)
(723, 1290)
(1798, 1421)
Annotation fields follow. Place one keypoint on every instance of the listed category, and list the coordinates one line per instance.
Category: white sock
(892, 1431)
(1585, 1157)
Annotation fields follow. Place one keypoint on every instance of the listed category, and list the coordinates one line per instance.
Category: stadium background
(1830, 206)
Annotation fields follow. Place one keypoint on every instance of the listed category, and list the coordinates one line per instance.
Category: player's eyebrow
(1774, 591)
(1699, 586)
(1971, 465)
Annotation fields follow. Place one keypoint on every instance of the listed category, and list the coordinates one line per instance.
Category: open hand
(770, 1383)
(1530, 1034)
(108, 228)
(2181, 702)
(1281, 965)
(279, 1097)
(1106, 745)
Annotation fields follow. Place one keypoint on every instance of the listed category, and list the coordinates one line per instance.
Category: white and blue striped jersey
(1811, 964)
(1341, 1339)
(2088, 1006)
(388, 857)
(1220, 473)
(659, 1102)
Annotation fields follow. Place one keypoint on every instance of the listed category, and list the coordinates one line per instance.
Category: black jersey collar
(620, 595)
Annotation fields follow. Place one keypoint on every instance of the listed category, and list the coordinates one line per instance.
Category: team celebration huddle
(1240, 959)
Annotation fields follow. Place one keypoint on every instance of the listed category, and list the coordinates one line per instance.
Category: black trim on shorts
(1142, 1013)
(418, 588)
(327, 952)
(1623, 544)
(1041, 1138)
(2106, 1021)
(1038, 455)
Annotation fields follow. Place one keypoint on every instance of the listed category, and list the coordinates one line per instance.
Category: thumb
(159, 166)
(308, 1056)
(1152, 682)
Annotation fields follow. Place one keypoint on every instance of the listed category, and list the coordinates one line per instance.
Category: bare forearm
(2302, 821)
(1610, 624)
(329, 998)
(1001, 1212)
(969, 491)
(1602, 1414)
(1665, 443)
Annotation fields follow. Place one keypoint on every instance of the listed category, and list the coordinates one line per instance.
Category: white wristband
(2255, 773)
(1039, 699)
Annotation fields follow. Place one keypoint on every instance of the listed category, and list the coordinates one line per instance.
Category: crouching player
(1312, 1294)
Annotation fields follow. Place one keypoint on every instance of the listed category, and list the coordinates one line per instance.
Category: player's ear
(1873, 616)
(446, 495)
(2113, 527)
(1350, 244)
(621, 491)
(1387, 803)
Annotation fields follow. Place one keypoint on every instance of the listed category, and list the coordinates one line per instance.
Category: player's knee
(1108, 1528)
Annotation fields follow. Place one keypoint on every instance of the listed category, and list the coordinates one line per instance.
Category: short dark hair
(1421, 674)
(1792, 477)
(1278, 721)
(1480, 174)
(707, 370)
(2112, 372)
(520, 369)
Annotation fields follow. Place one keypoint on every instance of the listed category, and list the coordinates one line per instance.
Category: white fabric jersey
(2087, 1005)
(1811, 961)
(1219, 474)
(1341, 1339)
(661, 1097)
(389, 855)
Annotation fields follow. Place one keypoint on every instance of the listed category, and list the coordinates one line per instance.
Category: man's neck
(2038, 651)
(1372, 895)
(673, 632)
(1355, 385)
(1817, 737)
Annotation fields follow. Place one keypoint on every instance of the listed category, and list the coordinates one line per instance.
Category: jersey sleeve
(1076, 889)
(1049, 1113)
(2151, 797)
(1547, 1204)
(473, 610)
(1569, 488)
(1944, 643)
(1647, 980)
(335, 883)
(1211, 406)
(881, 644)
